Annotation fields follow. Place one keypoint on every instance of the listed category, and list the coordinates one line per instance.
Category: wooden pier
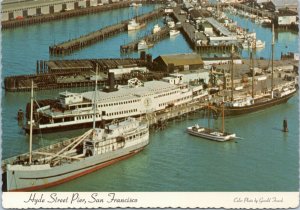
(70, 73)
(150, 39)
(158, 120)
(99, 35)
(188, 31)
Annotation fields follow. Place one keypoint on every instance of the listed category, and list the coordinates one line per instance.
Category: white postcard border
(260, 200)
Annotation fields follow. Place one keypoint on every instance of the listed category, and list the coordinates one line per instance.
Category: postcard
(150, 104)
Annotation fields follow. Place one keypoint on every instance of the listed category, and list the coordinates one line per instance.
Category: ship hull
(232, 111)
(28, 180)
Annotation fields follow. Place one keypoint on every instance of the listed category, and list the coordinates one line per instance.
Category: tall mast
(252, 70)
(30, 131)
(95, 98)
(272, 76)
(232, 51)
(223, 127)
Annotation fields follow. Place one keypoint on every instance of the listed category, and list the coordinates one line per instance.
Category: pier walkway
(101, 34)
(150, 39)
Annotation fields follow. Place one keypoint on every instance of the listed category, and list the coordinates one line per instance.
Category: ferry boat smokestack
(111, 80)
(285, 126)
(110, 87)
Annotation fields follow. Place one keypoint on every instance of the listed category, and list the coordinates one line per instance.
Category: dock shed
(179, 62)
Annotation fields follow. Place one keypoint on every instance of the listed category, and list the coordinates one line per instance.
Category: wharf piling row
(158, 120)
(99, 35)
(10, 24)
(150, 39)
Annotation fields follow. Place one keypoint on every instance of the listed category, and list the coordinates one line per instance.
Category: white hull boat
(174, 32)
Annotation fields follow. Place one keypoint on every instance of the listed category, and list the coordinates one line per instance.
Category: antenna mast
(272, 75)
(232, 51)
(30, 131)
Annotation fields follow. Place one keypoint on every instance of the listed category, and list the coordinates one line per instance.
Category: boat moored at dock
(75, 110)
(72, 158)
(134, 25)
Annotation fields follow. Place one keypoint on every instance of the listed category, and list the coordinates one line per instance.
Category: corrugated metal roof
(182, 59)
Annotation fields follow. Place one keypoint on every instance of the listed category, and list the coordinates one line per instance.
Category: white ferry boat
(75, 110)
(72, 158)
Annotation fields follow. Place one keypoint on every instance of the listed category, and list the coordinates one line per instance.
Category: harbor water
(265, 159)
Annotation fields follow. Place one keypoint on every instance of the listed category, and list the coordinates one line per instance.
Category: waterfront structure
(179, 62)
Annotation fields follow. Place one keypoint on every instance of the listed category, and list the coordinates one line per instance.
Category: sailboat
(72, 158)
(277, 95)
(211, 134)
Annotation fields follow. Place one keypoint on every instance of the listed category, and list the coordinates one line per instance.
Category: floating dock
(101, 34)
(150, 38)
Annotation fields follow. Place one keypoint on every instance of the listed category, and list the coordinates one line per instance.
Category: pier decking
(93, 37)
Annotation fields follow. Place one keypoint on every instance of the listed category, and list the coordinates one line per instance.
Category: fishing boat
(72, 158)
(134, 25)
(259, 44)
(142, 45)
(174, 32)
(156, 29)
(211, 134)
(252, 44)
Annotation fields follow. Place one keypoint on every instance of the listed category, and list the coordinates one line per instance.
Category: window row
(165, 94)
(119, 103)
(122, 112)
